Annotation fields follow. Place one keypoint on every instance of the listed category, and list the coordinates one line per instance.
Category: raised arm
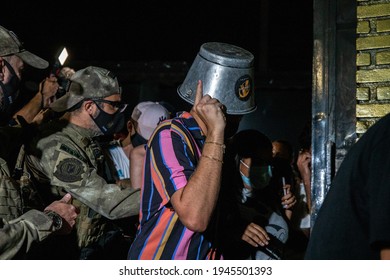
(195, 202)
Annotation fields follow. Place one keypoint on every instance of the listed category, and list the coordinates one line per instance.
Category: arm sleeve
(109, 200)
(75, 176)
(171, 162)
(17, 236)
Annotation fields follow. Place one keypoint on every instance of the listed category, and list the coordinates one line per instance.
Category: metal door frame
(333, 92)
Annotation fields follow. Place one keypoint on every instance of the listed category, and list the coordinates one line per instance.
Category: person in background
(140, 125)
(125, 155)
(19, 229)
(283, 149)
(259, 226)
(299, 222)
(137, 155)
(303, 165)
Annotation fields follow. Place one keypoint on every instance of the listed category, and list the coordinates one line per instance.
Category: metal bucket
(227, 75)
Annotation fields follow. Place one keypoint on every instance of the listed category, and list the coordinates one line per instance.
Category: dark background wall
(151, 45)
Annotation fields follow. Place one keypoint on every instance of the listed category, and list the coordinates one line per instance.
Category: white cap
(149, 115)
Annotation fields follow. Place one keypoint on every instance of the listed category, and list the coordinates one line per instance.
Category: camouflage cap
(88, 83)
(11, 45)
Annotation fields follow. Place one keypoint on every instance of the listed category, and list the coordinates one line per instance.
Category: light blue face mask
(244, 178)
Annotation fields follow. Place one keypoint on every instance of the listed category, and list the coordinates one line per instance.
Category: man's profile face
(9, 80)
(17, 64)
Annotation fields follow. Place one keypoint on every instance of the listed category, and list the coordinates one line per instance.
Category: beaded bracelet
(223, 146)
(213, 158)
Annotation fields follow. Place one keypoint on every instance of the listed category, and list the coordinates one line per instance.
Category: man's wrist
(56, 219)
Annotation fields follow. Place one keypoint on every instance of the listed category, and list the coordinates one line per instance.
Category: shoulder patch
(72, 152)
(69, 170)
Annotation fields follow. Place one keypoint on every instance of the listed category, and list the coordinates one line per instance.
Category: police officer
(13, 60)
(19, 230)
(67, 157)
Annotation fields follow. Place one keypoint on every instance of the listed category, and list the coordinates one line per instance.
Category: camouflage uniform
(17, 236)
(18, 231)
(10, 196)
(66, 158)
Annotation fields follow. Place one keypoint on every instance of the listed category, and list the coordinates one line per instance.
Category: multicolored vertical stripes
(171, 158)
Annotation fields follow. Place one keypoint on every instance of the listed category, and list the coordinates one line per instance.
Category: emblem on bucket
(227, 74)
(243, 88)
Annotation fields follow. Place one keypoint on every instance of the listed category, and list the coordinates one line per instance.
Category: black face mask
(109, 123)
(137, 140)
(10, 90)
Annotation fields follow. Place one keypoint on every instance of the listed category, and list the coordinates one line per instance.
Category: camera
(57, 71)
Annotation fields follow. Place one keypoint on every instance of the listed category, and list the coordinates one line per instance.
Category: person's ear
(89, 107)
(129, 126)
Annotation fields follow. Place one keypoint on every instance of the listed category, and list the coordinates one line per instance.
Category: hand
(303, 164)
(67, 211)
(289, 199)
(255, 235)
(42, 116)
(48, 88)
(209, 110)
(124, 183)
(304, 168)
(66, 72)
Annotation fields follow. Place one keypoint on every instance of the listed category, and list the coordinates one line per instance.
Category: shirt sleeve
(73, 174)
(17, 236)
(172, 162)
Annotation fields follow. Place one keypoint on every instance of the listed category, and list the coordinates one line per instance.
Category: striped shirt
(172, 155)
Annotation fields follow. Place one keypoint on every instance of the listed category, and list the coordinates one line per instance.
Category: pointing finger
(199, 92)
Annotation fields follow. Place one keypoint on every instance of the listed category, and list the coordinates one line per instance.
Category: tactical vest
(11, 203)
(90, 225)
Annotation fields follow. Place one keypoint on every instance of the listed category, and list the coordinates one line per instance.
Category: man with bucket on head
(185, 156)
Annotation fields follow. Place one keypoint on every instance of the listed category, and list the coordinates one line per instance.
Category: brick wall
(373, 62)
